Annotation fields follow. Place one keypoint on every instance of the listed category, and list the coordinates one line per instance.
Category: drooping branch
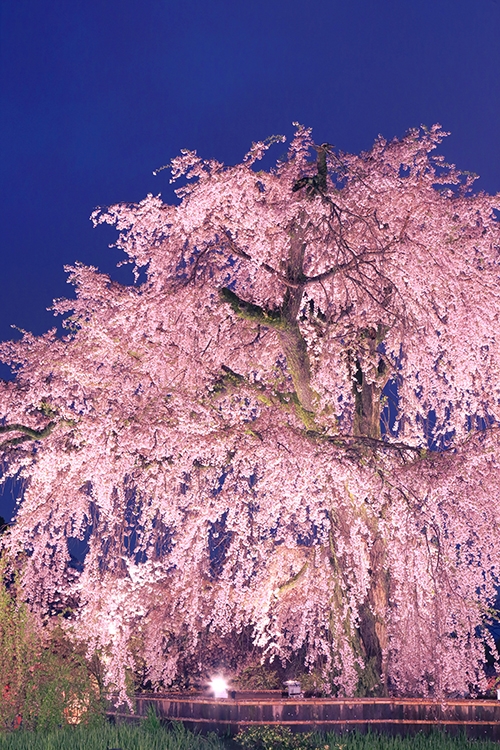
(27, 433)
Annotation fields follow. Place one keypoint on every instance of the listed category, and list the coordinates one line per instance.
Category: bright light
(219, 687)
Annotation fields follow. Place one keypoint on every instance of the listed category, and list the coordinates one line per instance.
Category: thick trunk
(366, 423)
(292, 341)
(372, 624)
(297, 358)
(367, 391)
(367, 405)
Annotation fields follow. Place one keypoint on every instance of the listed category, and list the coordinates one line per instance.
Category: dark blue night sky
(95, 95)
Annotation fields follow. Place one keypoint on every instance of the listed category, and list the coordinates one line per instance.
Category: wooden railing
(477, 718)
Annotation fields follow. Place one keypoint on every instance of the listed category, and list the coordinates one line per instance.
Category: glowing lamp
(219, 687)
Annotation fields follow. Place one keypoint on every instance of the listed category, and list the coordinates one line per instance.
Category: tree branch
(28, 433)
(249, 311)
(356, 441)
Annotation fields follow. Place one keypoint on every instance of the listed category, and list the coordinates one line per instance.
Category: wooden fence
(477, 718)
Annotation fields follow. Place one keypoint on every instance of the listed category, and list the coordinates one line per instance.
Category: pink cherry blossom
(214, 432)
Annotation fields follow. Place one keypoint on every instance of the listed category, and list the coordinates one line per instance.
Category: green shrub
(19, 652)
(313, 683)
(267, 737)
(45, 681)
(258, 677)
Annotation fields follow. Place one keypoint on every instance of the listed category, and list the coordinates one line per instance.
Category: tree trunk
(366, 423)
(294, 346)
(372, 624)
(367, 393)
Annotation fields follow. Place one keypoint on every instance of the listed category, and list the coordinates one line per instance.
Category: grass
(435, 741)
(123, 736)
(151, 735)
(280, 738)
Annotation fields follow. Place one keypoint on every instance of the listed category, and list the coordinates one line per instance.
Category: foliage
(313, 683)
(268, 737)
(19, 652)
(258, 677)
(212, 435)
(45, 682)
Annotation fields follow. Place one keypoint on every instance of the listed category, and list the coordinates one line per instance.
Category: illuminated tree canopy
(213, 433)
